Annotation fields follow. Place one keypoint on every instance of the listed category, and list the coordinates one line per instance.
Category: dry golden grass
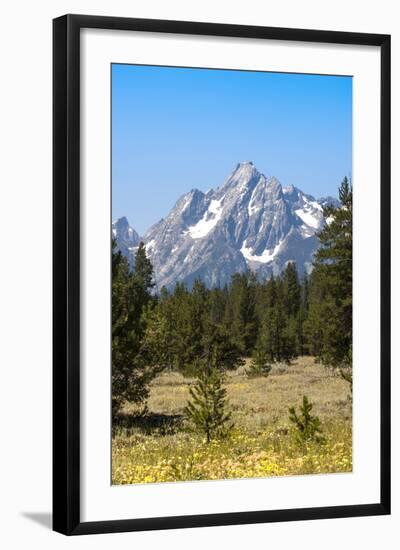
(158, 448)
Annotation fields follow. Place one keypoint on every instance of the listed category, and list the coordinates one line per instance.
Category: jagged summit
(251, 222)
(244, 173)
(121, 222)
(244, 165)
(127, 238)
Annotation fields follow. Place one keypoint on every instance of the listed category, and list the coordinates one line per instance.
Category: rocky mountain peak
(242, 176)
(121, 224)
(127, 238)
(251, 222)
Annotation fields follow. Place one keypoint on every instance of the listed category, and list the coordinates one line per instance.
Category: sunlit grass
(262, 442)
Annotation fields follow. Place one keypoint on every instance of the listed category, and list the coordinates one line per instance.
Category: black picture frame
(66, 273)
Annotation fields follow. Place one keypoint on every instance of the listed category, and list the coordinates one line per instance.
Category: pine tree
(261, 359)
(143, 268)
(305, 293)
(180, 319)
(198, 312)
(283, 336)
(290, 339)
(241, 311)
(330, 315)
(301, 332)
(155, 345)
(207, 408)
(308, 426)
(132, 368)
(292, 290)
(217, 299)
(219, 348)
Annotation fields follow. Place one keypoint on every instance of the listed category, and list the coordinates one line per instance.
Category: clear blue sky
(175, 129)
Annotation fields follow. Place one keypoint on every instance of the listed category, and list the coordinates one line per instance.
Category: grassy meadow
(158, 445)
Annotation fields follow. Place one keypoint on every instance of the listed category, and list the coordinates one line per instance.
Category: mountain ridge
(250, 222)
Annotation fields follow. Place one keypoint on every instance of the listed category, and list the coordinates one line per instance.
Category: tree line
(199, 330)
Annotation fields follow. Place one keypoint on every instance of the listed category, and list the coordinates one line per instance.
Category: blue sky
(175, 129)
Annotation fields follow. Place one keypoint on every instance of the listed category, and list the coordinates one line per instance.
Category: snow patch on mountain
(308, 218)
(149, 246)
(252, 208)
(311, 212)
(208, 221)
(265, 257)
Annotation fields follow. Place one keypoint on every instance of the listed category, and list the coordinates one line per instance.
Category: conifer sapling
(207, 408)
(308, 426)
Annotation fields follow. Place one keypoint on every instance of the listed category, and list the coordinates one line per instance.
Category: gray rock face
(251, 222)
(127, 238)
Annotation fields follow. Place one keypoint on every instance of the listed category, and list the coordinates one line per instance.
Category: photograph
(232, 269)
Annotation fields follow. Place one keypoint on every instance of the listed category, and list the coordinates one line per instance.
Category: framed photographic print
(221, 274)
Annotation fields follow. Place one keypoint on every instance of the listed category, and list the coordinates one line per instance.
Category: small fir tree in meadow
(207, 410)
(261, 360)
(308, 426)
